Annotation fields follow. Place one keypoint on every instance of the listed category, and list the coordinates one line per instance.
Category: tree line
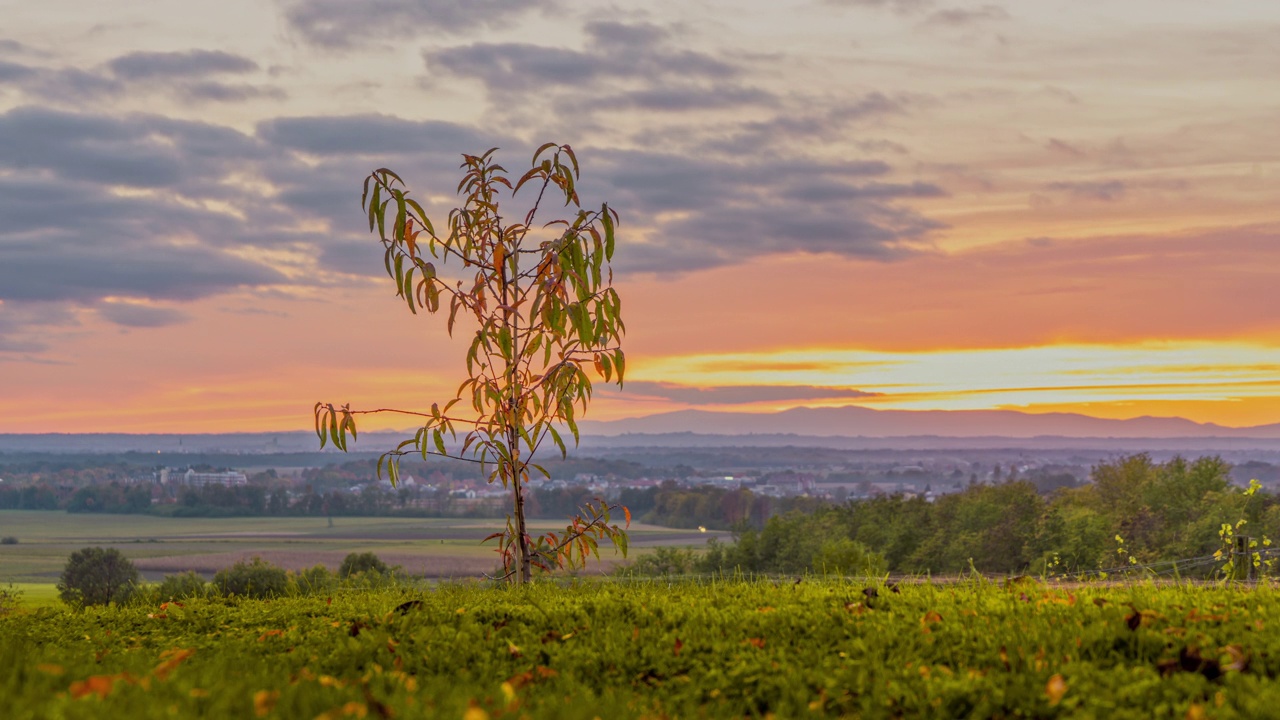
(1135, 511)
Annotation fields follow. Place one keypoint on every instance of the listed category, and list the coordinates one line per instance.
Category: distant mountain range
(854, 421)
(844, 427)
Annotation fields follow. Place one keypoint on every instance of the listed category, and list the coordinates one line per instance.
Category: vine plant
(541, 294)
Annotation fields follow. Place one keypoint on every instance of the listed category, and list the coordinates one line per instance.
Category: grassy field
(628, 649)
(436, 548)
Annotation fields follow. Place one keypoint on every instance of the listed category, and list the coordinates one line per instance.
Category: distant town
(287, 474)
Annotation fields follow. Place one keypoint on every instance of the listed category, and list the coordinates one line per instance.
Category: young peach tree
(541, 294)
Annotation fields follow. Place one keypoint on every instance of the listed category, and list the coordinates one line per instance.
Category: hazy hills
(843, 427)
(853, 421)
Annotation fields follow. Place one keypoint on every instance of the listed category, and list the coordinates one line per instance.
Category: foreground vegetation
(621, 650)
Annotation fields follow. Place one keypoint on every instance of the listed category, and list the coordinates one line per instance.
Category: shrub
(189, 584)
(8, 540)
(842, 556)
(362, 563)
(255, 579)
(9, 599)
(97, 576)
(665, 561)
(314, 580)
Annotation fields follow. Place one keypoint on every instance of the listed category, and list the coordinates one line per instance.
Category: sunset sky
(1047, 205)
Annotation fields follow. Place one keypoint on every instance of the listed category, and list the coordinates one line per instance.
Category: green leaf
(555, 437)
(573, 427)
(401, 216)
(541, 149)
(382, 219)
(408, 294)
(606, 220)
(422, 215)
(373, 206)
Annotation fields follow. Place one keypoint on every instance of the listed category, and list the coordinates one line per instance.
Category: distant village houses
(192, 478)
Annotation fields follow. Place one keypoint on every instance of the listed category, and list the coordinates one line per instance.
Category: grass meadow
(596, 648)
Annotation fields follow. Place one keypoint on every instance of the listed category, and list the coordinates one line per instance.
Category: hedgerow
(655, 649)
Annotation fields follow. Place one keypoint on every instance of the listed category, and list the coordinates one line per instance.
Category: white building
(229, 478)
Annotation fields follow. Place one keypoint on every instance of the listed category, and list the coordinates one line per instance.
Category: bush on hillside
(97, 576)
(189, 584)
(254, 579)
(665, 561)
(365, 562)
(8, 540)
(314, 580)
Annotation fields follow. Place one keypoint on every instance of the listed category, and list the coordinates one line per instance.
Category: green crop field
(436, 548)
(632, 649)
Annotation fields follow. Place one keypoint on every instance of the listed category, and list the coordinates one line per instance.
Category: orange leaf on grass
(1055, 689)
(264, 701)
(100, 685)
(171, 659)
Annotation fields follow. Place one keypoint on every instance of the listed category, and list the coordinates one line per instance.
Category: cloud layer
(342, 25)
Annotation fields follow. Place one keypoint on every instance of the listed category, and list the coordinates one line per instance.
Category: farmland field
(631, 649)
(435, 547)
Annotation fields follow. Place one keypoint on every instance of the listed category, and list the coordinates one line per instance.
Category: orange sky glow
(1027, 207)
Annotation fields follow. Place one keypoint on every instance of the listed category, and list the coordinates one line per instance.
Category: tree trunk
(522, 536)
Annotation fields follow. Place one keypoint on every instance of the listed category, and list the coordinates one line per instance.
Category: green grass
(35, 595)
(649, 649)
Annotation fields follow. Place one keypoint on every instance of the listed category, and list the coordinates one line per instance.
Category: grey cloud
(732, 211)
(1101, 190)
(740, 394)
(10, 72)
(517, 66)
(185, 73)
(1064, 148)
(372, 135)
(688, 98)
(627, 64)
(188, 64)
(901, 6)
(86, 147)
(729, 209)
(72, 85)
(343, 24)
(68, 239)
(818, 191)
(24, 328)
(821, 123)
(65, 267)
(225, 92)
(634, 35)
(140, 316)
(964, 17)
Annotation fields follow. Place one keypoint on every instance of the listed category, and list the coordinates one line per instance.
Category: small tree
(97, 576)
(541, 294)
